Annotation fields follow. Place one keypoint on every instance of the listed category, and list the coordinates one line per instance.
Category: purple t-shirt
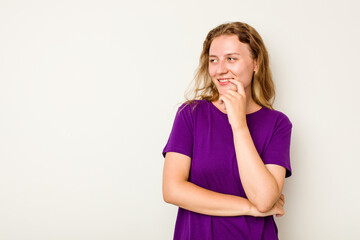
(204, 134)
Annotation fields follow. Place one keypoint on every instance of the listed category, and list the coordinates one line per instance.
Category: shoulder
(276, 113)
(193, 106)
(278, 118)
(195, 110)
(188, 113)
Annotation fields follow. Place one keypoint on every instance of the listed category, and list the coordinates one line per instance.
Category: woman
(228, 152)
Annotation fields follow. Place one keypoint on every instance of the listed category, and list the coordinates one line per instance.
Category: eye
(212, 60)
(231, 59)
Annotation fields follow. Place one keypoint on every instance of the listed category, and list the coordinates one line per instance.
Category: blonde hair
(262, 86)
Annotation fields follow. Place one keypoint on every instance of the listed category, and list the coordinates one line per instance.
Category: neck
(251, 105)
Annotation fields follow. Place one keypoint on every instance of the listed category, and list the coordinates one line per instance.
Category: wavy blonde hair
(262, 86)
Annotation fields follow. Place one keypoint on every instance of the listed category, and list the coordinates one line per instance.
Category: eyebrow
(225, 54)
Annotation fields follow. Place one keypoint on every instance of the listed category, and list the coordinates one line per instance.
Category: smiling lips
(224, 81)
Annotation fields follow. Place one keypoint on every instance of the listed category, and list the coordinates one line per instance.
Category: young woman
(229, 151)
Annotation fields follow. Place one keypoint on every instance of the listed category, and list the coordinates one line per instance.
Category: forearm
(197, 199)
(259, 184)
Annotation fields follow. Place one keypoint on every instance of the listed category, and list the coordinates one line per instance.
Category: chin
(223, 89)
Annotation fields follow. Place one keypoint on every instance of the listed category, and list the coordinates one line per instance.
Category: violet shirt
(204, 134)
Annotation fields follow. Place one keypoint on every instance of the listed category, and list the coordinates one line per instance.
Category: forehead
(225, 44)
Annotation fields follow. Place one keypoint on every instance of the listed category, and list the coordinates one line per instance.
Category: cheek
(239, 70)
(244, 73)
(211, 71)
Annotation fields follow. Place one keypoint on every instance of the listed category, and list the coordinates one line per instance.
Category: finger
(233, 93)
(280, 212)
(239, 85)
(227, 97)
(224, 100)
(220, 100)
(283, 197)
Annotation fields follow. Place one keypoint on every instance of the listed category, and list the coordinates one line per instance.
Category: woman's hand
(277, 209)
(235, 105)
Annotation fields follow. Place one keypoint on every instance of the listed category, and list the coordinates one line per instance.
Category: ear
(255, 65)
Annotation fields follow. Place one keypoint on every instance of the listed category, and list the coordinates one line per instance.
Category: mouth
(224, 81)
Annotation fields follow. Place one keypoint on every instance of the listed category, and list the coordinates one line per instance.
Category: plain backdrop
(89, 91)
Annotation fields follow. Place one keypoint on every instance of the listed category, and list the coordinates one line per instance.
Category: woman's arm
(262, 183)
(179, 191)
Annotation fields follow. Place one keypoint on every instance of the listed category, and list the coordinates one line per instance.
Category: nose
(222, 68)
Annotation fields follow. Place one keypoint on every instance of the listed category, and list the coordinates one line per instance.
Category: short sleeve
(181, 136)
(278, 149)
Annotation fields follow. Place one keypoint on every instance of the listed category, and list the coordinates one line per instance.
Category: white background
(88, 94)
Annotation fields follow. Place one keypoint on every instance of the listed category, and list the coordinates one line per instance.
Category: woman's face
(230, 59)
